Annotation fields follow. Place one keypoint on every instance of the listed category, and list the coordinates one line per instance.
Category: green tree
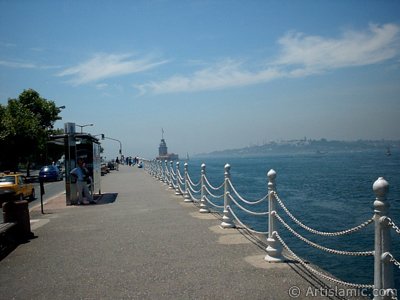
(25, 125)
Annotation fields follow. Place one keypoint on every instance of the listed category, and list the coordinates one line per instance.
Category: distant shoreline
(305, 146)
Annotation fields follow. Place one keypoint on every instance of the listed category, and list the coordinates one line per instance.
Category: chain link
(394, 261)
(394, 226)
(211, 194)
(212, 203)
(191, 181)
(329, 250)
(192, 189)
(244, 200)
(211, 186)
(318, 273)
(338, 233)
(244, 225)
(192, 196)
(246, 210)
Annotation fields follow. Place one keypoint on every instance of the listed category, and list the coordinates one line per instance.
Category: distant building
(163, 151)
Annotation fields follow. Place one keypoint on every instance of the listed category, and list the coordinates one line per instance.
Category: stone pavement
(143, 242)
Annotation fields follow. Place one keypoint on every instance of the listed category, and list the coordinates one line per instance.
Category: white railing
(225, 199)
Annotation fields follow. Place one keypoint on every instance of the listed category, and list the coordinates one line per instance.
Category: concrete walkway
(142, 242)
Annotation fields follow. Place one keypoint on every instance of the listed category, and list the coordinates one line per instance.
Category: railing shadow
(314, 281)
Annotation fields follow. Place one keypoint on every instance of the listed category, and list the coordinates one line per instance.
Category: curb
(46, 201)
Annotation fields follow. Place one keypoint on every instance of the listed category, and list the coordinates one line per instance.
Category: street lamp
(81, 126)
(59, 111)
(120, 143)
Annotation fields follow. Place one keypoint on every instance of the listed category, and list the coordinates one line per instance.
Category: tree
(25, 125)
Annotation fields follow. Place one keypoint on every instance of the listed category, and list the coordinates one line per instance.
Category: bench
(7, 238)
(6, 228)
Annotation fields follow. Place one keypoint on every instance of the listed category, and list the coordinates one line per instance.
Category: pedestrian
(117, 164)
(81, 174)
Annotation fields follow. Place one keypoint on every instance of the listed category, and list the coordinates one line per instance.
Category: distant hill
(309, 146)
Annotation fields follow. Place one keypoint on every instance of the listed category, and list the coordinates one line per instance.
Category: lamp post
(59, 109)
(120, 144)
(81, 126)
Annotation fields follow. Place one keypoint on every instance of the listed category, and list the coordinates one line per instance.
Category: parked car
(15, 186)
(111, 165)
(50, 173)
(104, 169)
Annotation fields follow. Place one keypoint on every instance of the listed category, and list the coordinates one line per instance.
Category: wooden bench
(6, 228)
(7, 238)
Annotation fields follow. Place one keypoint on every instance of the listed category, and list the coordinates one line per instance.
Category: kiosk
(79, 145)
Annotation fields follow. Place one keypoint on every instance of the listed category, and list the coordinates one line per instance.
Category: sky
(212, 75)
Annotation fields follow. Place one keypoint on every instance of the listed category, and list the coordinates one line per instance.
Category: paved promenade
(142, 242)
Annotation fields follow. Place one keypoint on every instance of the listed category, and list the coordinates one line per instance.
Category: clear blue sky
(214, 74)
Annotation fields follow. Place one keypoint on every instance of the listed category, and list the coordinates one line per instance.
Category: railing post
(186, 194)
(203, 202)
(160, 177)
(274, 248)
(383, 268)
(227, 217)
(178, 185)
(166, 173)
(153, 168)
(171, 175)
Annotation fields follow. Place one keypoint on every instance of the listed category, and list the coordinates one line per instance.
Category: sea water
(325, 191)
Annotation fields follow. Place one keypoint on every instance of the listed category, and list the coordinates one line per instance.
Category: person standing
(80, 174)
(117, 164)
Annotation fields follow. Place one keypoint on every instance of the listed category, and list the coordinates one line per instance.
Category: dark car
(111, 165)
(104, 169)
(50, 173)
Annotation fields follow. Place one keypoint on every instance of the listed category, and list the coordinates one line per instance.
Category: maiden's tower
(163, 150)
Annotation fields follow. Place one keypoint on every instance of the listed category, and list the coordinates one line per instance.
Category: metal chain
(329, 250)
(338, 233)
(211, 194)
(191, 182)
(244, 225)
(394, 261)
(173, 173)
(181, 181)
(244, 200)
(211, 186)
(173, 176)
(394, 226)
(246, 210)
(193, 190)
(318, 273)
(179, 175)
(212, 203)
(192, 196)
